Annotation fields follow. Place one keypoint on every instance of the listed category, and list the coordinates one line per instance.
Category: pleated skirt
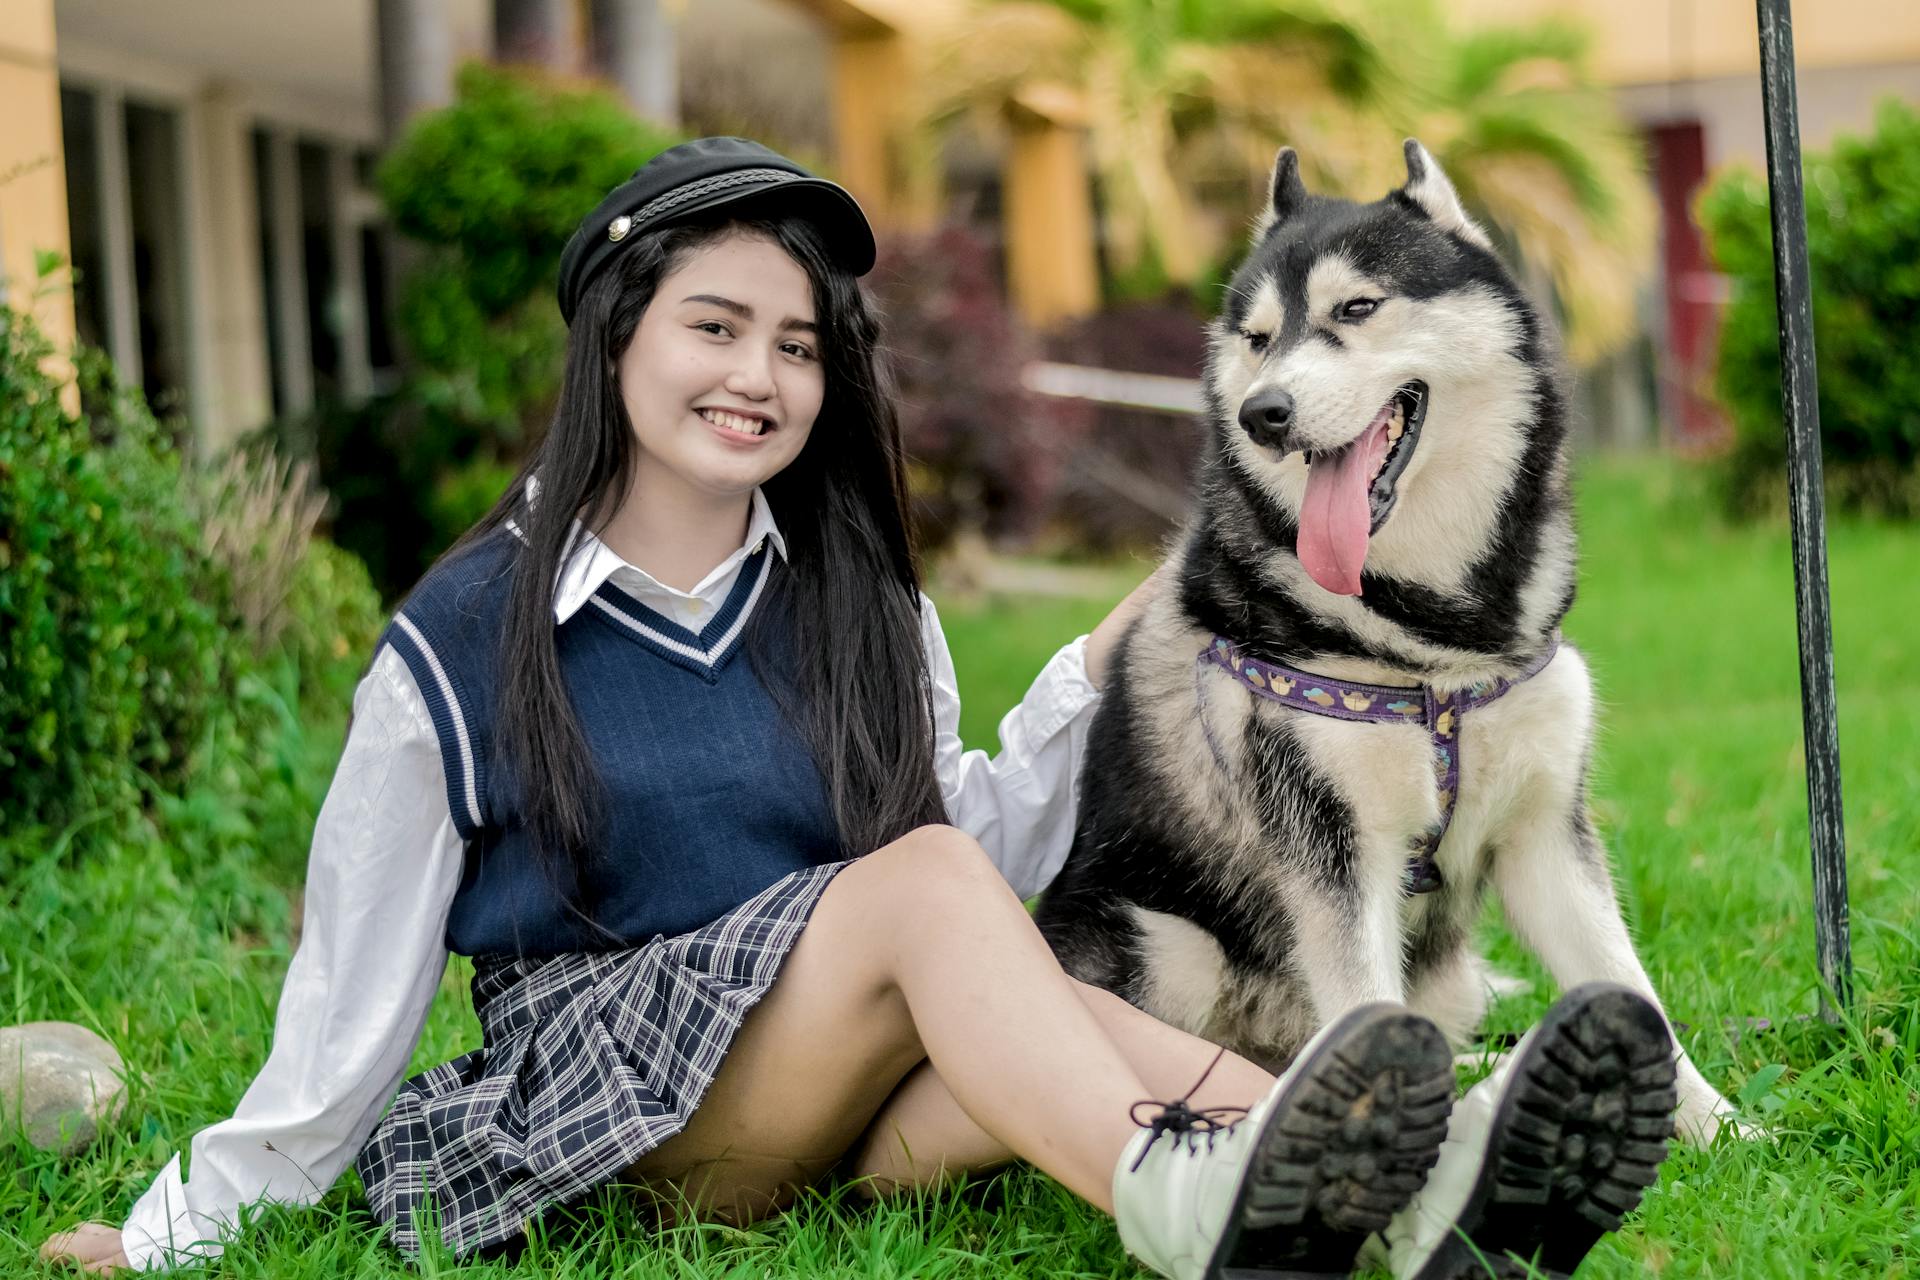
(587, 1062)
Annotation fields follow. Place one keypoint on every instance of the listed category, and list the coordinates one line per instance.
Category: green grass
(1701, 791)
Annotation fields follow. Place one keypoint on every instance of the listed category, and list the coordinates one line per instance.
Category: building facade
(205, 164)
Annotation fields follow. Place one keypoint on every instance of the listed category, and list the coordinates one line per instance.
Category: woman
(668, 744)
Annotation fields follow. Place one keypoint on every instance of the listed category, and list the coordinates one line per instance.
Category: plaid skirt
(587, 1062)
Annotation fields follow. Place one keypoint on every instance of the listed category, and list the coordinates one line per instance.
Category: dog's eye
(1258, 341)
(1358, 309)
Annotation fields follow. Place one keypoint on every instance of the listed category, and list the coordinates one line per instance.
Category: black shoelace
(1187, 1124)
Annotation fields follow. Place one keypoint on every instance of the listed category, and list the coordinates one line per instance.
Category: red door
(1693, 291)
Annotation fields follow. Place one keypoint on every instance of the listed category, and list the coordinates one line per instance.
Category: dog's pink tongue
(1335, 517)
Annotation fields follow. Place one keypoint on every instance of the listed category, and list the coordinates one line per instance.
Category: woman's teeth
(734, 422)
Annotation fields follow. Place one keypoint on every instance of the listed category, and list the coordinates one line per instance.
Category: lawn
(1700, 788)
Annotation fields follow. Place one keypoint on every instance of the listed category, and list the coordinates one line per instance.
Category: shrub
(1125, 483)
(1863, 244)
(985, 452)
(333, 619)
(113, 646)
(257, 515)
(162, 625)
(990, 457)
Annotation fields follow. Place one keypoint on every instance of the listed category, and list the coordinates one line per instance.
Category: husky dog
(1383, 502)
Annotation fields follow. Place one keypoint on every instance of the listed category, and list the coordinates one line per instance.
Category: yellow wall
(33, 176)
(1653, 41)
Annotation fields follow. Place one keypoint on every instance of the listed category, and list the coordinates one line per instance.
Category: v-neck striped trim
(707, 652)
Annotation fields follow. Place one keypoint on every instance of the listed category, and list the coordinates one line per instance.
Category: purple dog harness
(1438, 713)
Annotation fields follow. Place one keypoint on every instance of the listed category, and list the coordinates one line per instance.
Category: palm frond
(1596, 273)
(1483, 59)
(1180, 92)
(1588, 159)
(1352, 60)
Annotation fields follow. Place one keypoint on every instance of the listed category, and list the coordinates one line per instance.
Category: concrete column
(1052, 271)
(636, 46)
(229, 319)
(415, 56)
(541, 33)
(414, 52)
(33, 174)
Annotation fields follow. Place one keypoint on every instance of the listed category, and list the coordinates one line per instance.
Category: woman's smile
(740, 427)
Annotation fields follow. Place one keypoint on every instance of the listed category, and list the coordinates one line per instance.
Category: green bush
(113, 646)
(1863, 245)
(334, 618)
(138, 686)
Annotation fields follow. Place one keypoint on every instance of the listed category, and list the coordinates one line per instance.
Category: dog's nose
(1267, 417)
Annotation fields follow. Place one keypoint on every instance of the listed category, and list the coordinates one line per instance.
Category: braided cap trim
(672, 200)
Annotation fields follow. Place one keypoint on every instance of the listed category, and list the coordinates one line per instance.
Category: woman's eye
(714, 327)
(796, 350)
(1258, 341)
(1358, 309)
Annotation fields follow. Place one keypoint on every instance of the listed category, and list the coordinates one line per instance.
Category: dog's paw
(1700, 1122)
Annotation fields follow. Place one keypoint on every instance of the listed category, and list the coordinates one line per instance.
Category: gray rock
(60, 1082)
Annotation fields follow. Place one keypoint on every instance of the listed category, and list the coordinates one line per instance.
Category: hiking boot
(1551, 1150)
(1294, 1188)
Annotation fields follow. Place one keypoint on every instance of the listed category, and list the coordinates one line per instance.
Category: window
(326, 308)
(84, 227)
(157, 187)
(381, 355)
(322, 269)
(126, 213)
(269, 267)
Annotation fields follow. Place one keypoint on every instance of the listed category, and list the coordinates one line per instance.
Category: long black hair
(853, 680)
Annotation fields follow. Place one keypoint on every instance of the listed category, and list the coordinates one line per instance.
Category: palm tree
(1185, 101)
(1541, 154)
(1141, 70)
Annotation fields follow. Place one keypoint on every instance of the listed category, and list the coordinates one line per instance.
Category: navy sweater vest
(709, 794)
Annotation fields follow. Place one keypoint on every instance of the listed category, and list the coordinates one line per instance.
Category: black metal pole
(1800, 392)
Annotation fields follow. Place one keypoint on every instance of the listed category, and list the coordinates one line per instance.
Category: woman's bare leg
(923, 1136)
(917, 951)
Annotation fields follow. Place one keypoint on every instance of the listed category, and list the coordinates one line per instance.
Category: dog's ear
(1285, 193)
(1429, 191)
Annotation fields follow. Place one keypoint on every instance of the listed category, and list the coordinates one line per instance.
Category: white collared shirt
(594, 563)
(386, 860)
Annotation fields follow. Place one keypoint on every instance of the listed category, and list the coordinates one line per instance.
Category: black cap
(684, 182)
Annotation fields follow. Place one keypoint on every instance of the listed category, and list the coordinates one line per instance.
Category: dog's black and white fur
(1250, 896)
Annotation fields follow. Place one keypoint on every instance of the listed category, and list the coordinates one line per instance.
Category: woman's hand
(92, 1246)
(1105, 636)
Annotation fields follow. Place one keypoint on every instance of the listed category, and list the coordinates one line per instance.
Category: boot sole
(1343, 1148)
(1577, 1139)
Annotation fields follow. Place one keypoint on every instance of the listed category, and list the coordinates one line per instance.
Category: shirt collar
(591, 562)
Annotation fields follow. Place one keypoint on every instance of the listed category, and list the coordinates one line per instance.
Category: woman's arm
(1019, 804)
(1101, 643)
(385, 863)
